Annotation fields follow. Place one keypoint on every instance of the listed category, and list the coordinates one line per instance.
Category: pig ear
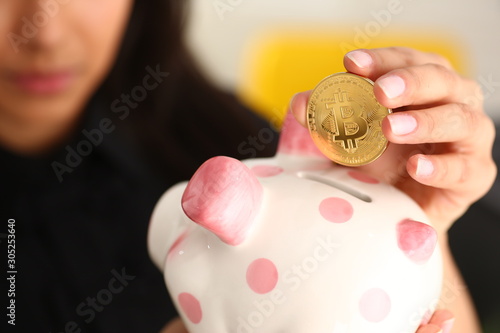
(296, 140)
(223, 196)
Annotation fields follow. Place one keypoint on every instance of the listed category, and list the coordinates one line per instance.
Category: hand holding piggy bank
(294, 244)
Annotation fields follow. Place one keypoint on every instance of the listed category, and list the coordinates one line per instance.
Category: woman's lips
(44, 83)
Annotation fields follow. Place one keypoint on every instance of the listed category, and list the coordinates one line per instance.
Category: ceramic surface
(294, 244)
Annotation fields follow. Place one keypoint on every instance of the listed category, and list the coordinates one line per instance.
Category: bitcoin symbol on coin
(344, 119)
(346, 124)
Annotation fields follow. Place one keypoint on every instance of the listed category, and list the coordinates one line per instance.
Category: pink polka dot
(191, 307)
(336, 210)
(417, 240)
(362, 177)
(262, 276)
(266, 170)
(375, 305)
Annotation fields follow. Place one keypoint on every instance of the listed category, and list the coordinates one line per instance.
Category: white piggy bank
(294, 244)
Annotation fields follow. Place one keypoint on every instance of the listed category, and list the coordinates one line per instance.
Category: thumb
(175, 326)
(298, 106)
(430, 328)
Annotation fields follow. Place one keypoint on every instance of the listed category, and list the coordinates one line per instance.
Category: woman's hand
(441, 322)
(440, 138)
(440, 143)
(177, 326)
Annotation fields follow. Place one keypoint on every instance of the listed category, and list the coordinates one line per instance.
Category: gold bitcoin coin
(345, 119)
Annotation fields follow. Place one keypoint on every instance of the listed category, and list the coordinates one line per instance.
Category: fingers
(442, 112)
(444, 123)
(422, 85)
(405, 76)
(468, 139)
(298, 106)
(442, 171)
(451, 171)
(441, 321)
(430, 329)
(174, 326)
(441, 317)
(373, 63)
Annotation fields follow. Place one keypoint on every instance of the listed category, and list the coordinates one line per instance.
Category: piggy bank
(294, 244)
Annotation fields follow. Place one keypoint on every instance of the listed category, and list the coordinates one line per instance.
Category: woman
(102, 109)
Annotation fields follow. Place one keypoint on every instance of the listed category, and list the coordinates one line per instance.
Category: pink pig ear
(223, 196)
(296, 140)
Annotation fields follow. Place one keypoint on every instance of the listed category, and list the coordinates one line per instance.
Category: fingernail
(402, 124)
(393, 86)
(448, 325)
(425, 168)
(360, 58)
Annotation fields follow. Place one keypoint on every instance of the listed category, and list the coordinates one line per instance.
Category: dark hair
(186, 120)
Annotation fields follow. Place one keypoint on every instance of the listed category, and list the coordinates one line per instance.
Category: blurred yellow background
(280, 63)
(265, 51)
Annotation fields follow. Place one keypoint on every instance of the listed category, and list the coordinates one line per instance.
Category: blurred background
(265, 50)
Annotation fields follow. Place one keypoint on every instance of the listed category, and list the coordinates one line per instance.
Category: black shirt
(81, 256)
(81, 218)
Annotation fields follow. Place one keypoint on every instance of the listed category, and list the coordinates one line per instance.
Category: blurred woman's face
(54, 54)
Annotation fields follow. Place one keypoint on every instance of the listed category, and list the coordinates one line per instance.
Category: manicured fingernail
(425, 168)
(393, 86)
(360, 58)
(448, 325)
(402, 124)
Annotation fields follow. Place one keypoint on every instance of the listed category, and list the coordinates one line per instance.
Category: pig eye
(329, 182)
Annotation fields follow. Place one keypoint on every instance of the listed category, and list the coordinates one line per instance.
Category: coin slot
(342, 187)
